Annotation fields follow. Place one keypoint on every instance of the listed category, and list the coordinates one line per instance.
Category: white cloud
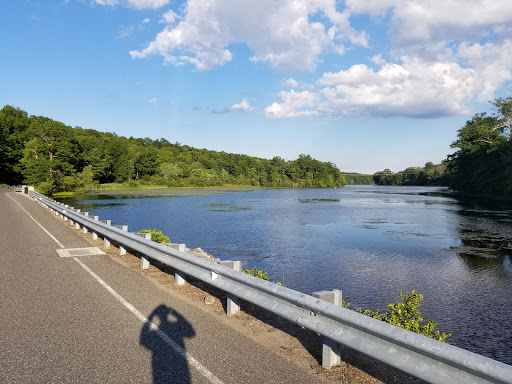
(153, 100)
(419, 21)
(377, 59)
(292, 83)
(411, 87)
(281, 34)
(295, 104)
(244, 106)
(144, 4)
(109, 3)
(137, 4)
(441, 62)
(170, 17)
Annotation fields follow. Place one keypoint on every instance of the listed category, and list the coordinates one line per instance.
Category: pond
(371, 242)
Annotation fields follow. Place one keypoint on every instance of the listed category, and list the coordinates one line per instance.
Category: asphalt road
(84, 319)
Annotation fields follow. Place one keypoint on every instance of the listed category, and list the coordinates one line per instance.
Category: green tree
(483, 161)
(13, 126)
(52, 152)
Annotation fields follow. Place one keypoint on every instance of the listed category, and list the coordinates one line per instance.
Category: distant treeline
(481, 164)
(358, 179)
(431, 174)
(39, 151)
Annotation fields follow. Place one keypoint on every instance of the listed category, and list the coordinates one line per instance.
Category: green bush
(156, 235)
(257, 273)
(405, 314)
(47, 187)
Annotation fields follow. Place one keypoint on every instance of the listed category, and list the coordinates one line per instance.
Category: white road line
(179, 350)
(43, 228)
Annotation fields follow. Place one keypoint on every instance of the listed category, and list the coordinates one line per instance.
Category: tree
(483, 161)
(52, 153)
(13, 126)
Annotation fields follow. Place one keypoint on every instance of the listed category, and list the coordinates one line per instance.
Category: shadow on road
(164, 335)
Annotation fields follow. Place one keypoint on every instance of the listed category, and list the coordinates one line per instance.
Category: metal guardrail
(417, 355)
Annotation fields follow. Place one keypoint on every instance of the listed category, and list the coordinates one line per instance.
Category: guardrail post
(77, 226)
(233, 302)
(331, 350)
(122, 251)
(94, 234)
(179, 278)
(144, 261)
(179, 247)
(84, 228)
(106, 241)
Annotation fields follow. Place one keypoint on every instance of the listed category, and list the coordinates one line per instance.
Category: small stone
(209, 300)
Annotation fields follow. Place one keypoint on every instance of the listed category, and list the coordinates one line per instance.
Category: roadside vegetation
(156, 235)
(404, 314)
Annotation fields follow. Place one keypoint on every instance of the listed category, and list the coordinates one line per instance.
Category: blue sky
(364, 84)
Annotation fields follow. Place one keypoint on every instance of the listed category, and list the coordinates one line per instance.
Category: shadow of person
(164, 335)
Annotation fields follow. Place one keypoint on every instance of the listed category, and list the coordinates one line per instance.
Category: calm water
(370, 242)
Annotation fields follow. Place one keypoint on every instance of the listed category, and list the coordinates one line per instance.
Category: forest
(55, 157)
(39, 151)
(481, 163)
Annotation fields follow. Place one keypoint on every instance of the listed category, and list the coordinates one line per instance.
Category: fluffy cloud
(419, 21)
(244, 106)
(153, 100)
(282, 34)
(442, 55)
(295, 104)
(439, 63)
(411, 87)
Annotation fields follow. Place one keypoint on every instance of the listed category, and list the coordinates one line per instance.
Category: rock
(200, 253)
(209, 300)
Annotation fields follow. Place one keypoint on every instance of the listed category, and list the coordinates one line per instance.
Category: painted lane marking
(43, 228)
(179, 350)
(170, 342)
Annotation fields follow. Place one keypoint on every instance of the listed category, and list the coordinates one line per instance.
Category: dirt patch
(300, 346)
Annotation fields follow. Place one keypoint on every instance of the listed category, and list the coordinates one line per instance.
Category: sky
(366, 85)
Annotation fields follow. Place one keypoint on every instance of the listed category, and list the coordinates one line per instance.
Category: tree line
(40, 151)
(481, 164)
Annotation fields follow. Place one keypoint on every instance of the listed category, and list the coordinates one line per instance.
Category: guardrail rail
(417, 355)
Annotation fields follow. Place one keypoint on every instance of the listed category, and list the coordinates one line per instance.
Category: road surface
(90, 320)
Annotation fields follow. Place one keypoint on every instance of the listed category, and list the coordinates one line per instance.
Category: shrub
(156, 235)
(259, 273)
(47, 187)
(405, 314)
